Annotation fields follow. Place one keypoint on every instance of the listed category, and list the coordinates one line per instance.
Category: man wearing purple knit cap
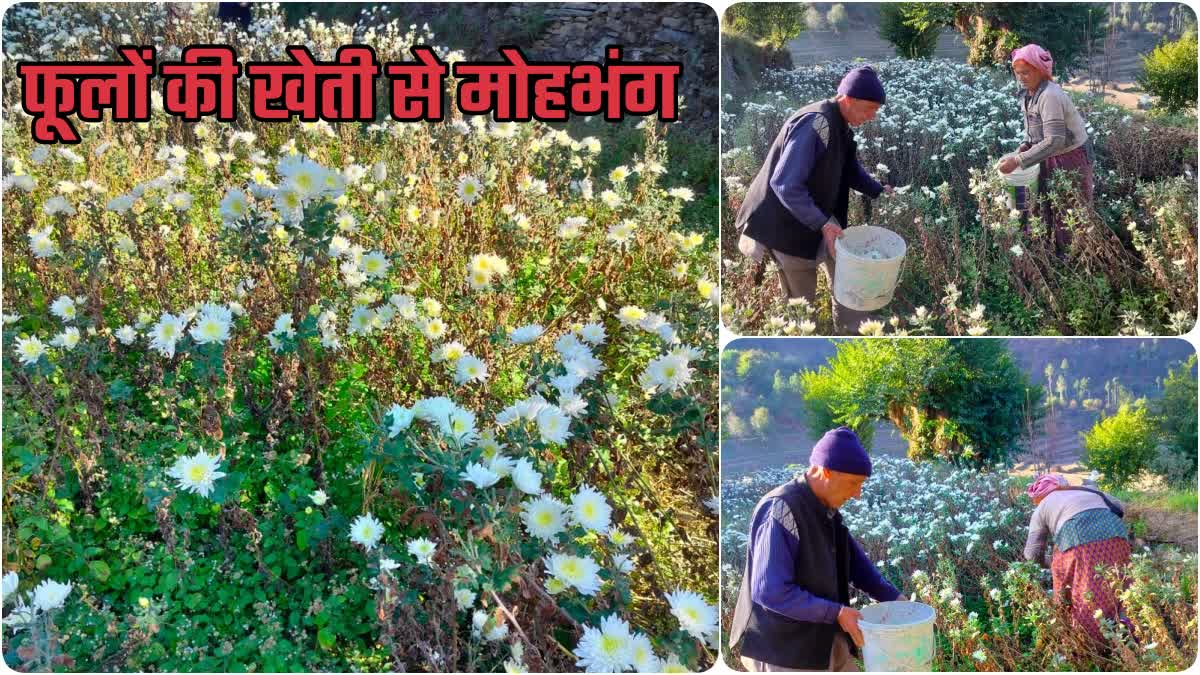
(793, 611)
(799, 201)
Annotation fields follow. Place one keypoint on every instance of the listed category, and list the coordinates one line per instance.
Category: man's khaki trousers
(798, 278)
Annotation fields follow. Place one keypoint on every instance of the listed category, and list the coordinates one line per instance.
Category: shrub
(910, 43)
(772, 23)
(1176, 413)
(761, 420)
(1121, 446)
(1169, 72)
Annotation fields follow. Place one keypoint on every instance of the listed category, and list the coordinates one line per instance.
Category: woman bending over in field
(1055, 137)
(1087, 530)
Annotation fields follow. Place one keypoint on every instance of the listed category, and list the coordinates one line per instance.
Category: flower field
(970, 268)
(953, 539)
(325, 397)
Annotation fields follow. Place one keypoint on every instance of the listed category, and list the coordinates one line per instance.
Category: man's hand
(1008, 164)
(832, 232)
(848, 619)
(902, 598)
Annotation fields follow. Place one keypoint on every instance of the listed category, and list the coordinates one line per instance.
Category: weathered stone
(673, 36)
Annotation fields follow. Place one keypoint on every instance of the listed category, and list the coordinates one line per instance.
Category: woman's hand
(1008, 164)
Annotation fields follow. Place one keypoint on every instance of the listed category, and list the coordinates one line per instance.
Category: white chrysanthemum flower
(10, 583)
(126, 334)
(375, 265)
(180, 201)
(643, 658)
(502, 465)
(572, 227)
(366, 531)
(544, 516)
(592, 333)
(449, 352)
(682, 194)
(166, 333)
(339, 246)
(525, 334)
(422, 549)
(362, 321)
(631, 315)
(696, 617)
(480, 475)
(526, 478)
(619, 174)
(464, 598)
(51, 594)
(212, 325)
(572, 404)
(319, 497)
(431, 307)
(590, 509)
(56, 205)
(399, 419)
(579, 572)
(67, 339)
(197, 473)
(434, 329)
(620, 538)
(553, 425)
(674, 666)
(667, 373)
(469, 189)
(41, 242)
(623, 563)
(621, 232)
(234, 206)
(64, 308)
(470, 368)
(608, 649)
(29, 350)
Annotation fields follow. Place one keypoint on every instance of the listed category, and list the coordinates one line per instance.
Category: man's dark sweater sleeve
(861, 181)
(774, 543)
(866, 578)
(789, 181)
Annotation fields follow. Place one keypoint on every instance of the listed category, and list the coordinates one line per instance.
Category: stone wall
(683, 32)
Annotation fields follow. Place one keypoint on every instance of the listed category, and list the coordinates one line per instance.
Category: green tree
(836, 18)
(1176, 415)
(1169, 72)
(958, 400)
(910, 43)
(1121, 446)
(992, 30)
(760, 421)
(734, 427)
(814, 19)
(771, 23)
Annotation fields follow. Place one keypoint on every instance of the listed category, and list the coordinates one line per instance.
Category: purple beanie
(862, 83)
(839, 450)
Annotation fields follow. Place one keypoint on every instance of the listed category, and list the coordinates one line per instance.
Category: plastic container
(1022, 185)
(862, 281)
(897, 637)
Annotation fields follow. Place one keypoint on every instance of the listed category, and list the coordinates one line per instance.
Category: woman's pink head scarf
(1045, 484)
(1037, 57)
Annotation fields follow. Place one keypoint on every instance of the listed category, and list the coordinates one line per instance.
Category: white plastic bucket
(867, 267)
(897, 637)
(1023, 181)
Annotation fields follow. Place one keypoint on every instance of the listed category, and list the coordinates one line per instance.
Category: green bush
(910, 43)
(771, 23)
(1176, 413)
(1169, 72)
(1121, 446)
